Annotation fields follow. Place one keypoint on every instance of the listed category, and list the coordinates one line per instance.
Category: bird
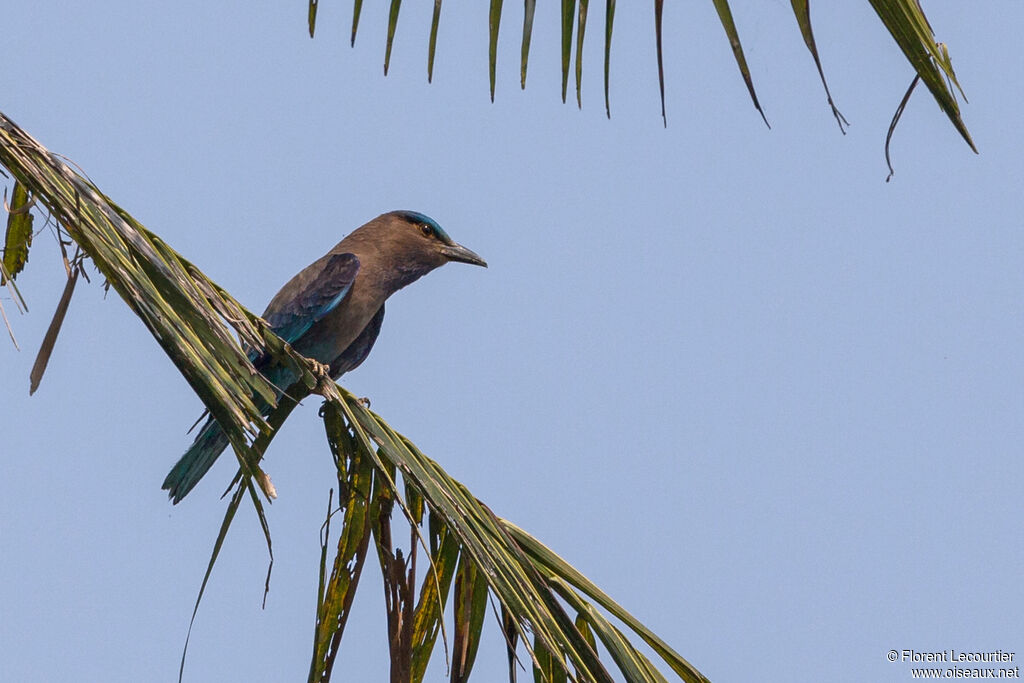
(332, 311)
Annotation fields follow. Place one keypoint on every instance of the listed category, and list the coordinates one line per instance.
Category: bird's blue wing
(318, 295)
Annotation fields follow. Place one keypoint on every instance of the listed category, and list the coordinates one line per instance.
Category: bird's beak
(457, 252)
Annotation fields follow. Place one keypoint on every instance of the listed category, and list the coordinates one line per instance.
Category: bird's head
(422, 234)
(398, 248)
(422, 243)
(403, 246)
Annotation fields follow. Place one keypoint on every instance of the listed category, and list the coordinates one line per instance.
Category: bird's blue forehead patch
(417, 217)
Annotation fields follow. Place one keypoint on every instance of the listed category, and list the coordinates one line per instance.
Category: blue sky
(769, 402)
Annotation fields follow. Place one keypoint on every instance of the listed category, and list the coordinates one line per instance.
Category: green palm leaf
(904, 19)
(18, 237)
(184, 310)
(910, 28)
(494, 556)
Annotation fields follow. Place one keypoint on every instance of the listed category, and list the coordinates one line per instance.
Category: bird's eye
(426, 230)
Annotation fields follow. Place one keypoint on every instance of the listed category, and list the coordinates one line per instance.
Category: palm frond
(311, 18)
(50, 338)
(609, 22)
(530, 582)
(568, 16)
(396, 7)
(18, 237)
(581, 30)
(184, 310)
(17, 242)
(494, 26)
(904, 19)
(910, 28)
(725, 16)
(335, 594)
(802, 10)
(435, 21)
(357, 8)
(529, 9)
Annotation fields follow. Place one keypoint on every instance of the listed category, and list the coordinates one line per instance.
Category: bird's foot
(365, 401)
(322, 373)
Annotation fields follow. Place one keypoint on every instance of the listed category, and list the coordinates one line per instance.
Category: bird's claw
(322, 373)
(364, 401)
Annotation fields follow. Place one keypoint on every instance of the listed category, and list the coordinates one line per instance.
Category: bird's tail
(199, 458)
